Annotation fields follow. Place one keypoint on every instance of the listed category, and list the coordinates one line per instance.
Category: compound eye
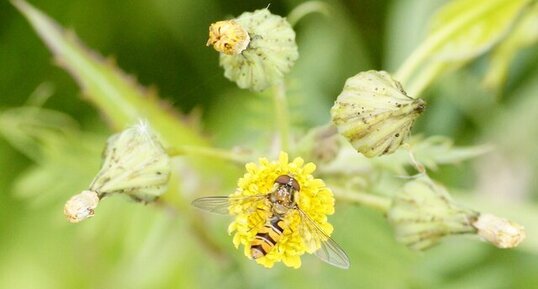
(283, 180)
(295, 185)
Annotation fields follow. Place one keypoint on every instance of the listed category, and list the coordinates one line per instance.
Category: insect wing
(216, 204)
(221, 204)
(329, 251)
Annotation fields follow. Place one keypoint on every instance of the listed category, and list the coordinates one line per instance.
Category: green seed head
(135, 163)
(374, 113)
(270, 54)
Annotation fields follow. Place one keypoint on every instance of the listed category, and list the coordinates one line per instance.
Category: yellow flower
(314, 199)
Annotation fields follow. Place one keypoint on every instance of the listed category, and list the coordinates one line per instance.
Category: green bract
(374, 113)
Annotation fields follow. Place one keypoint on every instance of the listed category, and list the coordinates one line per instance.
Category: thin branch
(306, 8)
(376, 202)
(209, 152)
(282, 115)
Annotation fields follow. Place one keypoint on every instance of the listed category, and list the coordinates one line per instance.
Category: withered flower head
(374, 113)
(135, 164)
(257, 48)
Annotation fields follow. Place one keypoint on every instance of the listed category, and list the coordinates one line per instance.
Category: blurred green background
(162, 42)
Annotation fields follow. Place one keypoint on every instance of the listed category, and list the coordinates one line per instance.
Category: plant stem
(424, 78)
(412, 63)
(207, 152)
(306, 8)
(282, 115)
(420, 167)
(379, 203)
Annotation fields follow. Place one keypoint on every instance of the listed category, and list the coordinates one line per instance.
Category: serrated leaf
(65, 158)
(123, 101)
(432, 152)
(27, 128)
(116, 94)
(439, 150)
(461, 31)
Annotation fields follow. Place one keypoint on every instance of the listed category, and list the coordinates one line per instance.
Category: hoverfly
(282, 200)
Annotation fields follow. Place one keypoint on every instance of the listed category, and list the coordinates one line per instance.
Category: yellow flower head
(313, 198)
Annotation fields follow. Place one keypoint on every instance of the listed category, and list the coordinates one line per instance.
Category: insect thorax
(284, 194)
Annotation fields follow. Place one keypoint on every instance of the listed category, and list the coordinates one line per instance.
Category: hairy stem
(306, 8)
(282, 115)
(209, 152)
(420, 167)
(376, 202)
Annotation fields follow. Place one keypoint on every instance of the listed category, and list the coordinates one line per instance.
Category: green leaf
(66, 159)
(431, 152)
(525, 34)
(29, 129)
(461, 31)
(116, 94)
(438, 150)
(122, 100)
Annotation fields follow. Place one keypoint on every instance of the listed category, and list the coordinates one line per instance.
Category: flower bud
(423, 212)
(81, 207)
(498, 231)
(374, 113)
(260, 57)
(135, 164)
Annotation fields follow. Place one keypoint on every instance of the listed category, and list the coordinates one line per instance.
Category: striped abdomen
(267, 237)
